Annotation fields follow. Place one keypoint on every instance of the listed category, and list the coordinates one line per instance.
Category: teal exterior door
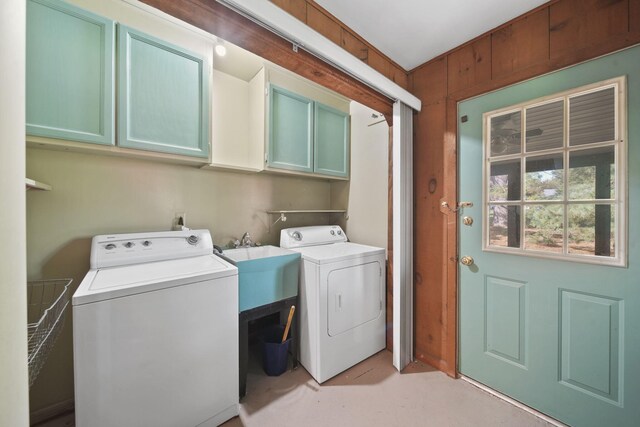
(70, 68)
(163, 97)
(331, 141)
(557, 334)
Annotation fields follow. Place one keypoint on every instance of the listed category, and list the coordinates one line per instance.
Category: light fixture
(220, 48)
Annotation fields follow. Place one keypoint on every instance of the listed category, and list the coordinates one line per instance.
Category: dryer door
(353, 296)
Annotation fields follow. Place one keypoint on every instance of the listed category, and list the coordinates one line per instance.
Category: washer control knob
(110, 246)
(146, 243)
(333, 233)
(192, 240)
(129, 245)
(297, 235)
(339, 232)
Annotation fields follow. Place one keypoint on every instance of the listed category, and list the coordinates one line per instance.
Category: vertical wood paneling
(323, 24)
(578, 24)
(297, 8)
(326, 24)
(399, 76)
(429, 227)
(354, 45)
(521, 44)
(470, 65)
(429, 84)
(379, 62)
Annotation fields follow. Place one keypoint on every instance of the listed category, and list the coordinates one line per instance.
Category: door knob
(466, 260)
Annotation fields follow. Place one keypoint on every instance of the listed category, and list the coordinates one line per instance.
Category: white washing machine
(155, 333)
(342, 299)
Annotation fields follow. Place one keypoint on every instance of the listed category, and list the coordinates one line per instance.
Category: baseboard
(51, 411)
(514, 402)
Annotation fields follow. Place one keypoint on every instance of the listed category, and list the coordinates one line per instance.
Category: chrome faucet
(245, 242)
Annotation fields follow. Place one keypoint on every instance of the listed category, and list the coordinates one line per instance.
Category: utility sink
(266, 274)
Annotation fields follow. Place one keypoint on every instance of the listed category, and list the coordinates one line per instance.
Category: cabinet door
(163, 98)
(290, 131)
(331, 155)
(69, 76)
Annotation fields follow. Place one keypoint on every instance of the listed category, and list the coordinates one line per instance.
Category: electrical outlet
(176, 219)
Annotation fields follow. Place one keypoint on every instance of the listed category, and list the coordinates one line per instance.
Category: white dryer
(155, 333)
(342, 299)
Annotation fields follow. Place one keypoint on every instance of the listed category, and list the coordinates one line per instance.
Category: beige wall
(14, 410)
(96, 194)
(366, 195)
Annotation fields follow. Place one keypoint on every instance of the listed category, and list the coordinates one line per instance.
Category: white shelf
(283, 213)
(32, 184)
(304, 211)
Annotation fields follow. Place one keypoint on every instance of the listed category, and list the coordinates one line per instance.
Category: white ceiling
(411, 32)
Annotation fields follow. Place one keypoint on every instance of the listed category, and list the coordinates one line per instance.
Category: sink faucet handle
(246, 240)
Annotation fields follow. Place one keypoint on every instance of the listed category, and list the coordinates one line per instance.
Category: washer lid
(107, 283)
(322, 254)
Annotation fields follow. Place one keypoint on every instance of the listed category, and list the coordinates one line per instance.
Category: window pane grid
(548, 222)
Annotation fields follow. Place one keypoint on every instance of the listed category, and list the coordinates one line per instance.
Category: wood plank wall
(555, 35)
(316, 17)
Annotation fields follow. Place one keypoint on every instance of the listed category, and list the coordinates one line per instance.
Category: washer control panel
(124, 249)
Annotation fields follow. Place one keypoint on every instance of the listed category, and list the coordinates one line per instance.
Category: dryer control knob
(297, 235)
(192, 240)
(129, 245)
(110, 246)
(339, 232)
(333, 233)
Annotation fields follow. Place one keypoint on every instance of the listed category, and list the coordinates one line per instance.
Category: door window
(554, 176)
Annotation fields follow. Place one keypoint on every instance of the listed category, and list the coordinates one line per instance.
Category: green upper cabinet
(306, 135)
(163, 96)
(331, 148)
(290, 131)
(69, 80)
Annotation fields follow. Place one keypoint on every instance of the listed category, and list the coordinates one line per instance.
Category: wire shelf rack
(47, 302)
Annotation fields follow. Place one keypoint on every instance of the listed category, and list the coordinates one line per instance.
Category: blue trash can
(275, 352)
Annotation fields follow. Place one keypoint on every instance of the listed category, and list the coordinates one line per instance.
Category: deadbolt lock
(467, 220)
(466, 260)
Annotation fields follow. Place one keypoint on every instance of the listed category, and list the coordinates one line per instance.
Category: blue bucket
(275, 353)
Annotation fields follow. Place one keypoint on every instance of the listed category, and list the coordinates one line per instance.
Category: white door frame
(402, 235)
